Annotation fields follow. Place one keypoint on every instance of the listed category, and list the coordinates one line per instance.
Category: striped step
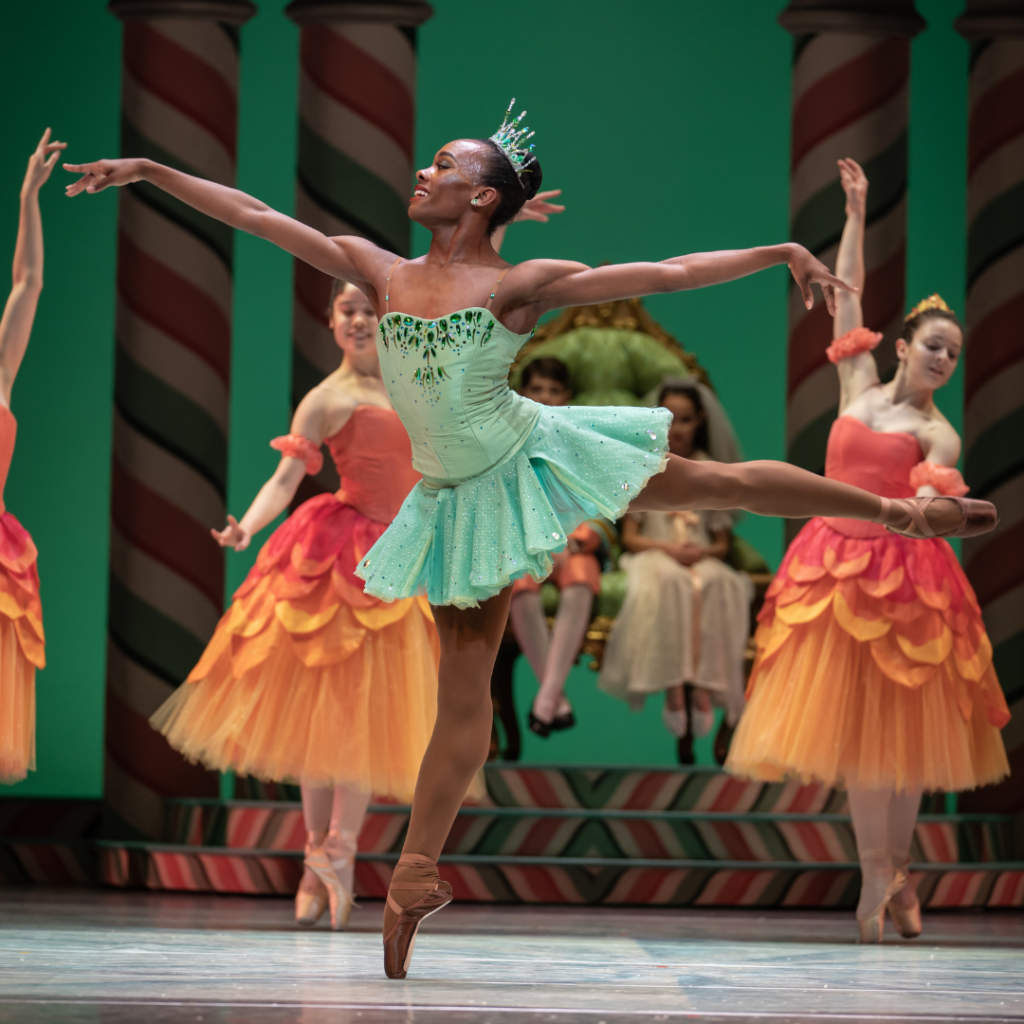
(598, 833)
(570, 880)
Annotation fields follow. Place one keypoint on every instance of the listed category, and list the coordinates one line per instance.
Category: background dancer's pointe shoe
(414, 874)
(311, 896)
(879, 881)
(910, 517)
(334, 864)
(906, 915)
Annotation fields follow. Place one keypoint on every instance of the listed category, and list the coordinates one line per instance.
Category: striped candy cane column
(994, 378)
(171, 388)
(357, 101)
(851, 77)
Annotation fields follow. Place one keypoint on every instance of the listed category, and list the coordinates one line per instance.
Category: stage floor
(76, 955)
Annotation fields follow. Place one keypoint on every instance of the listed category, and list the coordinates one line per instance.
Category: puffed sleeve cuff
(944, 479)
(295, 446)
(852, 343)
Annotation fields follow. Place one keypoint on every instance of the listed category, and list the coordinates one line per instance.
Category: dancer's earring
(475, 202)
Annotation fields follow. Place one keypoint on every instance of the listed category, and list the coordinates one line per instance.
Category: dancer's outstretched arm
(858, 372)
(346, 256)
(320, 414)
(27, 273)
(551, 284)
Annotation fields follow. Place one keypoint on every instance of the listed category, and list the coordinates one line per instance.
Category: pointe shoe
(309, 906)
(879, 882)
(908, 517)
(400, 939)
(906, 920)
(332, 863)
(311, 896)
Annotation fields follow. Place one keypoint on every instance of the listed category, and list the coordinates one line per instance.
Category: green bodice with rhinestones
(448, 381)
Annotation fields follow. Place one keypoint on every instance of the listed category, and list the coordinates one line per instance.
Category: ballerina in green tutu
(505, 480)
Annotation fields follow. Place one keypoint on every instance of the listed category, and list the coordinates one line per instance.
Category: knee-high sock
(531, 630)
(316, 808)
(571, 623)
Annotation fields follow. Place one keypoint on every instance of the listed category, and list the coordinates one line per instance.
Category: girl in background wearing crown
(505, 481)
(306, 677)
(873, 670)
(22, 648)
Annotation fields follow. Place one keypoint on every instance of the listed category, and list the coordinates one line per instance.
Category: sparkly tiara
(511, 140)
(934, 301)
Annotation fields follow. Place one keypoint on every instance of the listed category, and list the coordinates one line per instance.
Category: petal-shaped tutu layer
(464, 544)
(873, 668)
(22, 649)
(306, 676)
(19, 588)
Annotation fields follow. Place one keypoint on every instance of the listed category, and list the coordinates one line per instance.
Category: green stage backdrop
(665, 123)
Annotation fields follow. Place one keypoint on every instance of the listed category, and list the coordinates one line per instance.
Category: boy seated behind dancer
(577, 574)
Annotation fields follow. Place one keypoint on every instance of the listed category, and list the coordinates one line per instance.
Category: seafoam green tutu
(464, 544)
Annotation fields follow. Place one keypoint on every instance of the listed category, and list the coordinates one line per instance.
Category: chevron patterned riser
(675, 884)
(513, 833)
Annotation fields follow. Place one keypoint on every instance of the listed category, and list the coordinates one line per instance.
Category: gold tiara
(934, 301)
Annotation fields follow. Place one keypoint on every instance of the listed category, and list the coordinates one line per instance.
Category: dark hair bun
(513, 192)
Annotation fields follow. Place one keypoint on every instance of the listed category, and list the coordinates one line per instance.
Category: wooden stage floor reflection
(76, 955)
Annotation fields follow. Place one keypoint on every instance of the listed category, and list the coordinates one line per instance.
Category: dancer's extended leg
(905, 909)
(311, 898)
(879, 880)
(458, 746)
(774, 489)
(348, 812)
(571, 623)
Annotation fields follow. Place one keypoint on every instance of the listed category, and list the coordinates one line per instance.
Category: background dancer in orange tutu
(874, 670)
(307, 677)
(21, 613)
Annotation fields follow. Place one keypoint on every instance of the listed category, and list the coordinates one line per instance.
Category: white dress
(680, 624)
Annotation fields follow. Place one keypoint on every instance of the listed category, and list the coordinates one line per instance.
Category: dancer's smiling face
(354, 326)
(445, 190)
(930, 356)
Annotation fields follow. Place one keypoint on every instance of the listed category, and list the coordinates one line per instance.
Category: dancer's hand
(686, 554)
(538, 208)
(807, 270)
(855, 185)
(101, 174)
(232, 536)
(40, 163)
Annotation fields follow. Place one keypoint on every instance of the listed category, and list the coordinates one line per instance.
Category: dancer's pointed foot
(937, 517)
(904, 907)
(334, 864)
(415, 893)
(879, 882)
(311, 898)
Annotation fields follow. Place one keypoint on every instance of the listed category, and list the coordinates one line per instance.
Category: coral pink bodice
(373, 456)
(8, 431)
(880, 463)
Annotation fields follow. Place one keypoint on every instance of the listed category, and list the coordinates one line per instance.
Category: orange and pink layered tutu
(873, 666)
(22, 643)
(307, 677)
